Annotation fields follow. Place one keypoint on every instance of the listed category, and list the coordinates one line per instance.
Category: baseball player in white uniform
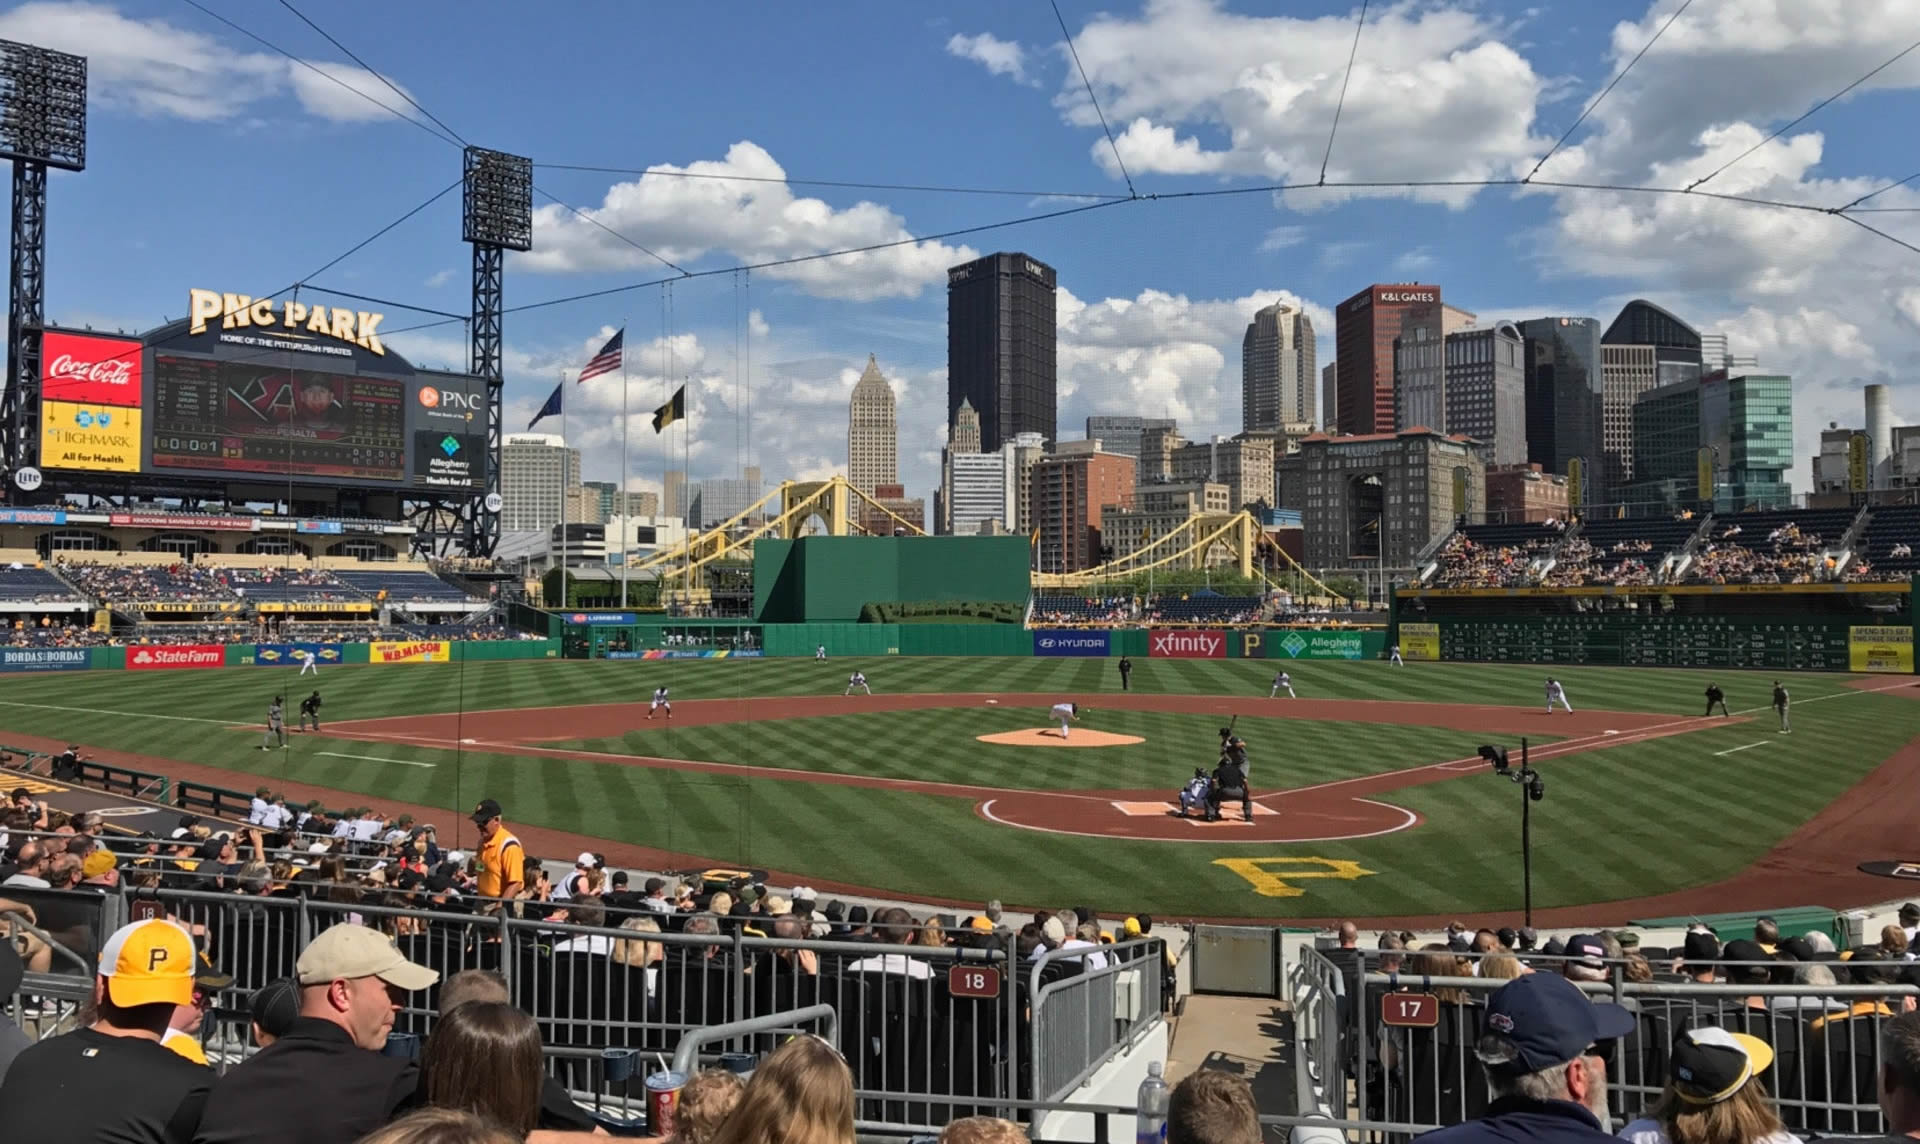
(1067, 713)
(660, 703)
(309, 663)
(820, 652)
(858, 679)
(1282, 682)
(1393, 657)
(1557, 694)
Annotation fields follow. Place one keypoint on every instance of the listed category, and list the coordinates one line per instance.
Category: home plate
(1229, 812)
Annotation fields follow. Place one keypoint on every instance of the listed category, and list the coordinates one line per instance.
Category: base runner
(1067, 713)
(660, 703)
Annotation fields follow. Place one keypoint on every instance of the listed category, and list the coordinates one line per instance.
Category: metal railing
(1086, 1018)
(931, 1033)
(1825, 1038)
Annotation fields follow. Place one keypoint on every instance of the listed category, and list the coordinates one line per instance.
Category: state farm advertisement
(88, 370)
(177, 658)
(1165, 644)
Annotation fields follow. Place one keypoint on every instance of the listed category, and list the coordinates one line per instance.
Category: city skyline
(1155, 294)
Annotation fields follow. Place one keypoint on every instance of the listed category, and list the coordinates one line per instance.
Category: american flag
(607, 360)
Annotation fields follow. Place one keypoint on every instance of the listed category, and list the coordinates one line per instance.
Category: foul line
(129, 714)
(1748, 747)
(374, 759)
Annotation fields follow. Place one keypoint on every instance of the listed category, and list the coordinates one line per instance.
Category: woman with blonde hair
(801, 1094)
(1501, 967)
(1713, 1094)
(441, 1126)
(640, 956)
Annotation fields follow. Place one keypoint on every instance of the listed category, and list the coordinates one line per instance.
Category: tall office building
(1123, 435)
(1068, 490)
(1747, 423)
(1244, 465)
(673, 494)
(1157, 447)
(1365, 326)
(1564, 408)
(721, 498)
(612, 503)
(1330, 396)
(964, 437)
(1420, 366)
(1277, 368)
(1486, 390)
(1645, 347)
(873, 432)
(1001, 346)
(979, 492)
(1377, 500)
(536, 471)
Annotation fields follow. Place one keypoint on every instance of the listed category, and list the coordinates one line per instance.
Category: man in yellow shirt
(502, 858)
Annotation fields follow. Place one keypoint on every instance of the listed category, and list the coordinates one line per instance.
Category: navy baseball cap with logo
(1548, 1022)
(1588, 950)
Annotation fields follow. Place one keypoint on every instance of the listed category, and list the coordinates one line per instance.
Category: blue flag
(550, 409)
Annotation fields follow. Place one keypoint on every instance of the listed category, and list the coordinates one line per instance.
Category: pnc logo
(430, 396)
(452, 401)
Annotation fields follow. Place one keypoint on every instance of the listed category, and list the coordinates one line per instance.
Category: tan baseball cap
(350, 952)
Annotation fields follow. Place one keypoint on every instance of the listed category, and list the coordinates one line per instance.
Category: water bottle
(1150, 1115)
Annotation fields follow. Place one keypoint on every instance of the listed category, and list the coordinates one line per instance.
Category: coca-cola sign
(89, 370)
(1165, 643)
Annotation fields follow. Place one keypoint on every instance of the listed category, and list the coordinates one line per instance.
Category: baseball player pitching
(1282, 682)
(858, 679)
(1067, 713)
(1557, 694)
(660, 704)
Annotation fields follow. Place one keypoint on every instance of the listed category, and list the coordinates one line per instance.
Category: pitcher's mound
(1050, 737)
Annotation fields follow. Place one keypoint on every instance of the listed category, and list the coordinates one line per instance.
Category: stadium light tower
(1533, 788)
(43, 123)
(497, 216)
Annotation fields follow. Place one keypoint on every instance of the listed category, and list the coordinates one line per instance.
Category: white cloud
(1416, 261)
(153, 68)
(684, 219)
(999, 57)
(344, 93)
(1282, 237)
(438, 279)
(1434, 96)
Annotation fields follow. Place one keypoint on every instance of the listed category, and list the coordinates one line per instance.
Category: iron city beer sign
(238, 311)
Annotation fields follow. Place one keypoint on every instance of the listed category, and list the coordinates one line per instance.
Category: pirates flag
(673, 410)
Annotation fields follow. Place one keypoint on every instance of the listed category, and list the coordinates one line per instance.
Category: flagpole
(626, 434)
(564, 602)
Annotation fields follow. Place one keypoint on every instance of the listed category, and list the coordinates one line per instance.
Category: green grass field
(1666, 814)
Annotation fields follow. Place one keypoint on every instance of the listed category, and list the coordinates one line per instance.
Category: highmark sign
(239, 311)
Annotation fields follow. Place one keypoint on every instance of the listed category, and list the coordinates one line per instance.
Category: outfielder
(1067, 713)
(310, 709)
(309, 663)
(1282, 682)
(1557, 694)
(1393, 657)
(660, 703)
(1780, 702)
(858, 679)
(820, 653)
(276, 723)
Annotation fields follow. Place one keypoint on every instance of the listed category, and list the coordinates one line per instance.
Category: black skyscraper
(1563, 395)
(1001, 346)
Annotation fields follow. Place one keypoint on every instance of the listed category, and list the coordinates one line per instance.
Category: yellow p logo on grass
(1270, 877)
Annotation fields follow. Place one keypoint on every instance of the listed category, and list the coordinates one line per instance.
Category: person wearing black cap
(1542, 1049)
(503, 872)
(273, 1009)
(1698, 955)
(1910, 923)
(1713, 1094)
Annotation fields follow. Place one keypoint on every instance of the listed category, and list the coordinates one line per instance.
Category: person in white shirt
(858, 679)
(1067, 713)
(1087, 936)
(259, 807)
(1709, 1068)
(1393, 657)
(659, 702)
(588, 912)
(1557, 694)
(894, 926)
(309, 663)
(1282, 682)
(820, 652)
(368, 826)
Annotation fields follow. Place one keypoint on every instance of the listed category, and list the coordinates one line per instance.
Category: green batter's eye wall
(830, 578)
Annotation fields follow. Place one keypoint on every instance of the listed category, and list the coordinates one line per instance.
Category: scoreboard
(243, 418)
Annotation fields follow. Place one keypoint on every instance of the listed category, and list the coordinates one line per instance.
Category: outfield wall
(830, 578)
(1774, 627)
(191, 657)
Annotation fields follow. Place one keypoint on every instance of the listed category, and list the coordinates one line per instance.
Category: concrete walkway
(1250, 1037)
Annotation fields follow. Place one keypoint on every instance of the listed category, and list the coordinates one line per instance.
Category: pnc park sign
(239, 311)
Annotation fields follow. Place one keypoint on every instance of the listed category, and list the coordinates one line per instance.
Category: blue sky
(216, 163)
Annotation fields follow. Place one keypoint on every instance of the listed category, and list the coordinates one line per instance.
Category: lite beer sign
(238, 311)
